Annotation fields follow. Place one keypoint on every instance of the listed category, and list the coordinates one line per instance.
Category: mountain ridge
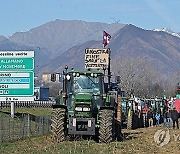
(167, 30)
(157, 48)
(7, 45)
(60, 35)
(65, 44)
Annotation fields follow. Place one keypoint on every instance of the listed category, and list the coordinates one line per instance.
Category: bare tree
(136, 75)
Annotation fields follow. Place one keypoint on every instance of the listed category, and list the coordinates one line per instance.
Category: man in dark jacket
(165, 118)
(150, 118)
(175, 116)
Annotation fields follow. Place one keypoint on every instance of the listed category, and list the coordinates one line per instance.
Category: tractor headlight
(74, 74)
(77, 74)
(78, 108)
(95, 75)
(104, 96)
(86, 109)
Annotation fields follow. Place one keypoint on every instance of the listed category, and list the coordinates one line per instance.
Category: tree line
(143, 80)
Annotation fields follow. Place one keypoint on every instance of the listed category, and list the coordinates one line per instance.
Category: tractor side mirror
(53, 77)
(117, 79)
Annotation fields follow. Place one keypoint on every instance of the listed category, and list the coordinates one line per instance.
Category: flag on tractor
(106, 38)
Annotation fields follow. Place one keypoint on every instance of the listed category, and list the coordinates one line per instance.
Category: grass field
(34, 111)
(135, 141)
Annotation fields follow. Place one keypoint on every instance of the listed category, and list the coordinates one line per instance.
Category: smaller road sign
(14, 80)
(15, 84)
(9, 64)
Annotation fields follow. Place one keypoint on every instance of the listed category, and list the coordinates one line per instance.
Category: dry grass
(134, 141)
(34, 111)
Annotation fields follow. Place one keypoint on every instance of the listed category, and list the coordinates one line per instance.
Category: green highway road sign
(16, 73)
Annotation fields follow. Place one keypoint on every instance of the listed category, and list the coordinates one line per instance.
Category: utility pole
(109, 70)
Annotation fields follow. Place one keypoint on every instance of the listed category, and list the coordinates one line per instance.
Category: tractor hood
(83, 97)
(83, 105)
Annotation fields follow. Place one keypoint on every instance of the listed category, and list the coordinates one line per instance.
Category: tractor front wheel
(106, 126)
(58, 126)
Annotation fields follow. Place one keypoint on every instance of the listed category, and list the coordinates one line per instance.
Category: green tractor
(87, 106)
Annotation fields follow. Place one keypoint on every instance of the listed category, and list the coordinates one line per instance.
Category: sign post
(16, 76)
(12, 109)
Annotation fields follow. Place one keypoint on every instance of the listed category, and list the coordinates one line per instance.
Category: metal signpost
(16, 76)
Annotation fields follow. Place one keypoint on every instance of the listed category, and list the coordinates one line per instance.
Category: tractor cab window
(86, 83)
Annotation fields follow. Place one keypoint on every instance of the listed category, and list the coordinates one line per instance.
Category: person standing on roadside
(150, 118)
(139, 118)
(169, 119)
(175, 116)
(161, 114)
(157, 116)
(165, 118)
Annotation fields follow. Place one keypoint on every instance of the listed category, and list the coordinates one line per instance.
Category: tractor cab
(84, 90)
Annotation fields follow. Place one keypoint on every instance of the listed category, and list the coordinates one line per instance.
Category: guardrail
(27, 104)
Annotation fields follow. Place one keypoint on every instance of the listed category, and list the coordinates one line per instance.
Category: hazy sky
(22, 15)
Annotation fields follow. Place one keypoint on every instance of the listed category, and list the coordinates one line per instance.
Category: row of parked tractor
(136, 112)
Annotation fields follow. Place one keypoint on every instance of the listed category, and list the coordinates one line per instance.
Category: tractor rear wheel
(106, 126)
(58, 125)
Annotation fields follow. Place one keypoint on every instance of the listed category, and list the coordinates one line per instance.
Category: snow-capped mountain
(167, 30)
